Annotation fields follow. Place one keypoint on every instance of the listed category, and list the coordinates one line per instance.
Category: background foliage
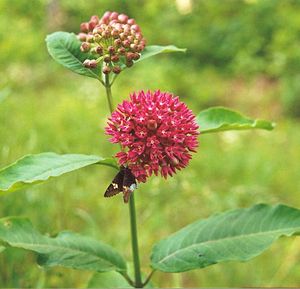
(242, 54)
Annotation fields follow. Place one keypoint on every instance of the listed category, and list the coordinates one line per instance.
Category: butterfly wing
(129, 184)
(116, 185)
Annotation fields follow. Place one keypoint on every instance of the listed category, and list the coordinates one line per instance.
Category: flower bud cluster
(115, 39)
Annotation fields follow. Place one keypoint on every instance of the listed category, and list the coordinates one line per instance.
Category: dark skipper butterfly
(124, 182)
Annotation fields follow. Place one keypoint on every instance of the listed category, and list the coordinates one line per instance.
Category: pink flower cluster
(156, 131)
(115, 38)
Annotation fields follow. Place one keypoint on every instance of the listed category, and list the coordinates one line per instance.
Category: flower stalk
(133, 228)
(134, 244)
(108, 93)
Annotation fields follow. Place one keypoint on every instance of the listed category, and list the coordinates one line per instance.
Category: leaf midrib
(227, 238)
(230, 126)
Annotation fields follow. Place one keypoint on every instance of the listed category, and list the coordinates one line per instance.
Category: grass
(67, 114)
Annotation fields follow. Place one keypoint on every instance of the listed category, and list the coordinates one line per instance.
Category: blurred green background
(241, 54)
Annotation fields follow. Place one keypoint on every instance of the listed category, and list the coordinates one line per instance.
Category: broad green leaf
(67, 249)
(217, 119)
(108, 280)
(64, 47)
(152, 50)
(2, 249)
(33, 169)
(237, 235)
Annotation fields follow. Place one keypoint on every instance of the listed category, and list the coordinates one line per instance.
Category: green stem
(134, 244)
(108, 93)
(134, 238)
